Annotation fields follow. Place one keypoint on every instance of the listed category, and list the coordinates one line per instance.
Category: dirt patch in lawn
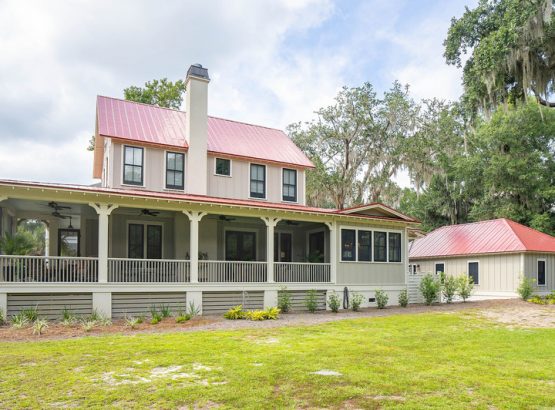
(523, 314)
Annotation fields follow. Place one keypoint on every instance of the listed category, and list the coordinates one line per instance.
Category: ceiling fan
(57, 207)
(292, 223)
(149, 212)
(225, 218)
(57, 214)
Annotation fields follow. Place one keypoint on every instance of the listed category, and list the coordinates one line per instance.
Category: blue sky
(271, 63)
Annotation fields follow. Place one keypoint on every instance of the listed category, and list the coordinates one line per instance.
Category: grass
(419, 361)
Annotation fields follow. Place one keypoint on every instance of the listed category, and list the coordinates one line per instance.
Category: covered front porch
(99, 243)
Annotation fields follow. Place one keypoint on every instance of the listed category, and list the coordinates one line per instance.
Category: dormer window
(258, 181)
(175, 170)
(133, 165)
(289, 188)
(223, 167)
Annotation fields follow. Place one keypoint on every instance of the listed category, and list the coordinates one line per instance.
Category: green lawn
(428, 360)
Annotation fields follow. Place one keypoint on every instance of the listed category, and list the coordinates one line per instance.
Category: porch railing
(148, 270)
(232, 271)
(302, 272)
(48, 269)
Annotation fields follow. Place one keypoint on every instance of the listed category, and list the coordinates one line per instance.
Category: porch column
(194, 218)
(270, 225)
(333, 251)
(103, 212)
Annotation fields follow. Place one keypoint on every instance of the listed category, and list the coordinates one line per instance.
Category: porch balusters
(103, 211)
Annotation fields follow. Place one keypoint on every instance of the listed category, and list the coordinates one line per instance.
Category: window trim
(230, 168)
(143, 166)
(144, 223)
(265, 182)
(166, 187)
(296, 201)
(341, 245)
(468, 270)
(544, 260)
(400, 248)
(362, 228)
(440, 263)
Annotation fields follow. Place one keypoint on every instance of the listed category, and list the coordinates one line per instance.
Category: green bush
(538, 300)
(465, 286)
(192, 309)
(334, 302)
(39, 326)
(430, 288)
(356, 301)
(68, 317)
(526, 287)
(311, 301)
(284, 300)
(19, 321)
(235, 313)
(2, 318)
(449, 287)
(182, 317)
(165, 311)
(381, 299)
(404, 298)
(131, 322)
(30, 313)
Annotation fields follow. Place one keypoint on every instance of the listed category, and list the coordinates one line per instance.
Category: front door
(317, 247)
(283, 247)
(141, 241)
(240, 246)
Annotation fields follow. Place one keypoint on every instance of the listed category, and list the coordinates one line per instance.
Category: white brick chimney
(196, 107)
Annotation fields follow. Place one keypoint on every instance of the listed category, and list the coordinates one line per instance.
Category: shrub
(272, 313)
(88, 325)
(334, 302)
(95, 316)
(141, 319)
(155, 318)
(182, 317)
(2, 318)
(356, 301)
(192, 309)
(449, 288)
(311, 301)
(284, 300)
(381, 299)
(430, 287)
(131, 321)
(465, 286)
(39, 326)
(165, 311)
(104, 321)
(30, 313)
(19, 321)
(526, 287)
(538, 300)
(404, 298)
(68, 318)
(235, 313)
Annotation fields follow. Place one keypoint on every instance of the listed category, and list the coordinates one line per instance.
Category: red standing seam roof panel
(494, 236)
(162, 126)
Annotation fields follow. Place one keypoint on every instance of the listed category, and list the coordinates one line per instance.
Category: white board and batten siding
(51, 305)
(140, 303)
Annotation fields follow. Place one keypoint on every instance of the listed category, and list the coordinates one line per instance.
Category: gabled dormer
(144, 147)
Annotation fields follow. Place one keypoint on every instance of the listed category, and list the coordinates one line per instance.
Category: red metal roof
(494, 236)
(162, 126)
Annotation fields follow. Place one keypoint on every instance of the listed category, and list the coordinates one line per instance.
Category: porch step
(220, 302)
(50, 305)
(139, 303)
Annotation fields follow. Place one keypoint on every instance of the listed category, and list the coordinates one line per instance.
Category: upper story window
(394, 247)
(289, 189)
(223, 167)
(175, 170)
(541, 272)
(380, 246)
(258, 181)
(133, 165)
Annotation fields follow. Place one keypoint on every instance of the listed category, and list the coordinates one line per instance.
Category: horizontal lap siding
(136, 304)
(51, 305)
(220, 302)
(298, 300)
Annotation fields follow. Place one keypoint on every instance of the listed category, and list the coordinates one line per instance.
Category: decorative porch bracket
(270, 225)
(194, 218)
(103, 211)
(3, 198)
(333, 251)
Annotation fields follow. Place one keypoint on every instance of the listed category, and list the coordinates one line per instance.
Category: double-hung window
(133, 165)
(348, 245)
(380, 246)
(541, 272)
(223, 167)
(258, 181)
(394, 247)
(175, 170)
(289, 189)
(365, 246)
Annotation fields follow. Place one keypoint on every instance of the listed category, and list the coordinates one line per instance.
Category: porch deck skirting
(55, 269)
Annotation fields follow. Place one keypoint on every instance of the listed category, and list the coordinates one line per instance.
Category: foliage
(162, 93)
(192, 309)
(2, 317)
(334, 302)
(235, 313)
(404, 298)
(155, 315)
(19, 321)
(34, 231)
(284, 299)
(165, 311)
(545, 300)
(381, 299)
(131, 322)
(356, 301)
(39, 326)
(526, 287)
(30, 313)
(430, 288)
(87, 324)
(509, 47)
(182, 317)
(68, 317)
(465, 286)
(449, 286)
(311, 301)
(17, 244)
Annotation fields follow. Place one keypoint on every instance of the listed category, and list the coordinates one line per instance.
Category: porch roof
(208, 200)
